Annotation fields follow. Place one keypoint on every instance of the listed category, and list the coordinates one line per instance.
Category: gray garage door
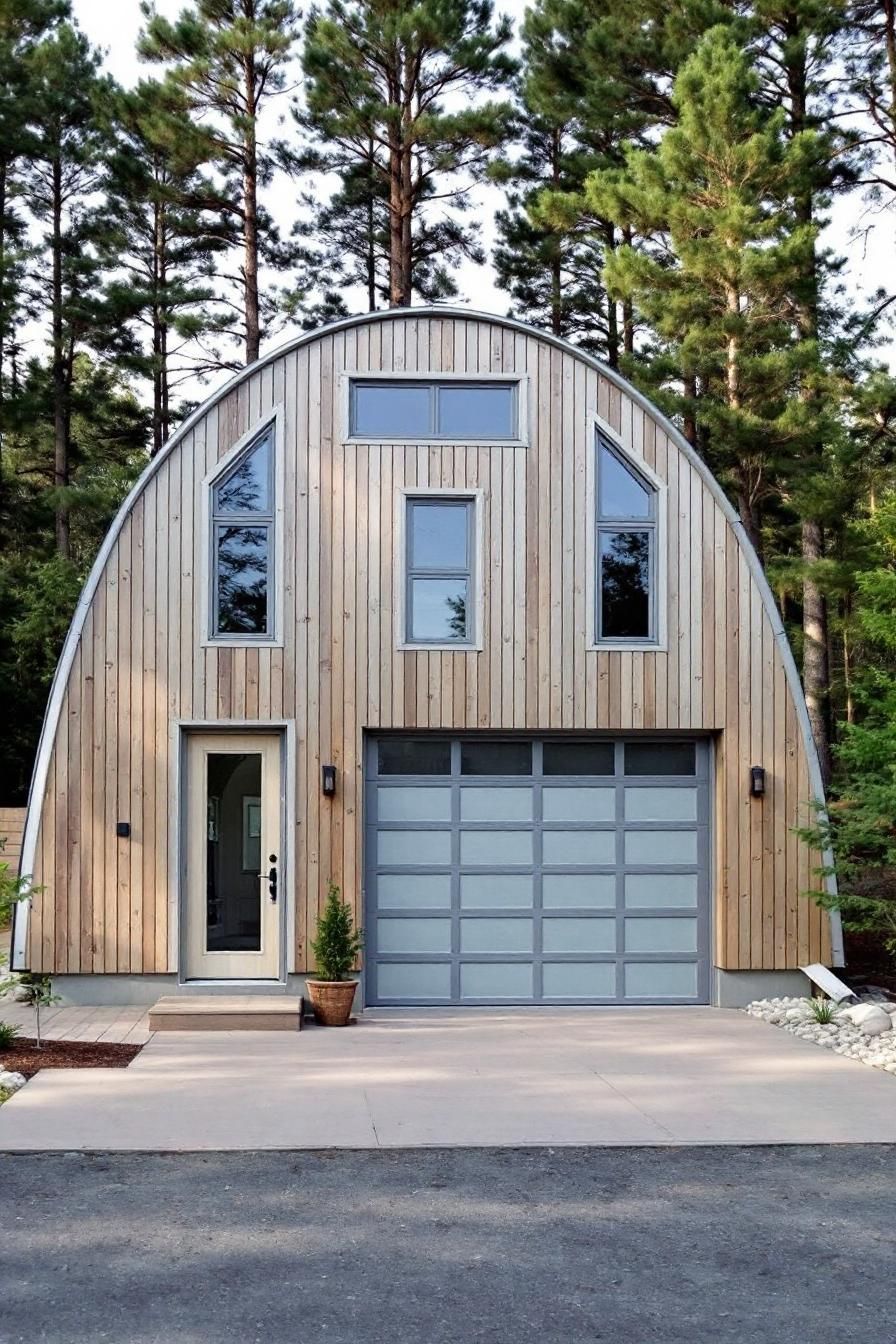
(537, 871)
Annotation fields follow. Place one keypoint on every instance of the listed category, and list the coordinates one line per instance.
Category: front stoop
(226, 1012)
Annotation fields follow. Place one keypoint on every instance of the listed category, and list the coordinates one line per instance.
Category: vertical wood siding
(106, 903)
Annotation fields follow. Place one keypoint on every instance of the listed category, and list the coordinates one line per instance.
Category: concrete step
(226, 1012)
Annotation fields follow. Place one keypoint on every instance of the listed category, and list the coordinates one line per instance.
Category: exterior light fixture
(123, 830)
(328, 780)
(757, 781)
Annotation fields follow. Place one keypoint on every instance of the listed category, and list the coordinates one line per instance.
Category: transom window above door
(242, 544)
(439, 570)
(451, 410)
(626, 551)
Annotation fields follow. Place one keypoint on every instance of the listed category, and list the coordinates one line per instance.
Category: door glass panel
(579, 935)
(574, 804)
(660, 758)
(660, 980)
(562, 847)
(495, 980)
(582, 980)
(414, 981)
(496, 847)
(234, 852)
(496, 804)
(658, 891)
(578, 758)
(572, 891)
(660, 935)
(496, 758)
(409, 756)
(492, 891)
(650, 847)
(647, 804)
(496, 935)
(414, 804)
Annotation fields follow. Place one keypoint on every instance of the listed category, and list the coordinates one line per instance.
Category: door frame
(181, 729)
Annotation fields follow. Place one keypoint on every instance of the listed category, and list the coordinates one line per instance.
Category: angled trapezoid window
(626, 550)
(242, 511)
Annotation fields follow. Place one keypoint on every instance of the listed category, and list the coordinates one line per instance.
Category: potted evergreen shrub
(336, 950)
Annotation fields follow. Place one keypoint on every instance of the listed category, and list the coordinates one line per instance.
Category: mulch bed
(24, 1057)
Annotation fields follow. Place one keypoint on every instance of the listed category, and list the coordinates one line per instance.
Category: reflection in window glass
(242, 580)
(621, 493)
(660, 758)
(439, 571)
(496, 758)
(412, 756)
(247, 488)
(439, 535)
(578, 758)
(399, 410)
(476, 412)
(625, 585)
(242, 507)
(438, 609)
(425, 410)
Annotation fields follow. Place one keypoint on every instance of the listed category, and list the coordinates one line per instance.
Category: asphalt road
(784, 1245)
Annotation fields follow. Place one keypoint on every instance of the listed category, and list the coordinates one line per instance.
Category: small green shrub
(823, 1011)
(5, 1094)
(338, 942)
(37, 991)
(8, 1034)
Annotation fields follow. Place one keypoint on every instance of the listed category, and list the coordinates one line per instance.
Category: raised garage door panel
(493, 877)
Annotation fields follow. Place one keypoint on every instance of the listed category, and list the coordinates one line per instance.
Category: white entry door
(232, 892)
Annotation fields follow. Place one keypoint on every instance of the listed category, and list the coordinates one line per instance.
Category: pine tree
(379, 75)
(230, 58)
(798, 43)
(22, 24)
(728, 252)
(870, 60)
(66, 161)
(163, 244)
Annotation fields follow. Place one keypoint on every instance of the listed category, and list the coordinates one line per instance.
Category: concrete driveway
(478, 1078)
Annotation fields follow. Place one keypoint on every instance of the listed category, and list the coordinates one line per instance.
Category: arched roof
(51, 720)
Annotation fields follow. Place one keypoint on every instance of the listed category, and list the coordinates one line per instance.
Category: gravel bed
(841, 1035)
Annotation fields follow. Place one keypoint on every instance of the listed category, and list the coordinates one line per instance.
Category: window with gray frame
(439, 570)
(242, 524)
(454, 411)
(626, 550)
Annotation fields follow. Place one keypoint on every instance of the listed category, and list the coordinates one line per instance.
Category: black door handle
(272, 878)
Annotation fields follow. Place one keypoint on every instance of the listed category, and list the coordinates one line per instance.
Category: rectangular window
(242, 534)
(439, 556)
(455, 411)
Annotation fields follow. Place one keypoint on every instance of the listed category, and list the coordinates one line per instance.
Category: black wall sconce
(123, 830)
(757, 781)
(328, 780)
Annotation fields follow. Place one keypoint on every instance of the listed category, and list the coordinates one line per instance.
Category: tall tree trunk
(250, 219)
(370, 260)
(4, 317)
(557, 253)
(890, 40)
(157, 359)
(612, 312)
(816, 667)
(628, 308)
(689, 418)
(60, 389)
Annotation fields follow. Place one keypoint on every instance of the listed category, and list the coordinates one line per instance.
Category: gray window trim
(435, 387)
(411, 572)
(265, 519)
(604, 525)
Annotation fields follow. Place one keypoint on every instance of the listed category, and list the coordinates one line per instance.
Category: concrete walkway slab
(478, 1078)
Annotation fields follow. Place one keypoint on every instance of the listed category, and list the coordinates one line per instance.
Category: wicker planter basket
(332, 1001)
